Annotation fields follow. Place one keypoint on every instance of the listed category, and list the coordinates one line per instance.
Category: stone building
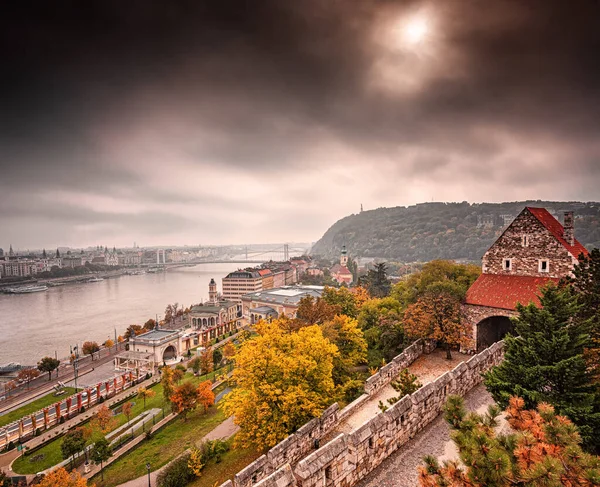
(273, 303)
(214, 318)
(534, 250)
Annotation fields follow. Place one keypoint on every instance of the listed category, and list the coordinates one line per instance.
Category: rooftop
(556, 229)
(285, 295)
(505, 291)
(156, 335)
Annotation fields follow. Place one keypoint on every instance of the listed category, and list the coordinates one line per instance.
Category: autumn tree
(283, 380)
(381, 321)
(102, 422)
(89, 348)
(101, 452)
(206, 361)
(543, 451)
(61, 478)
(546, 363)
(178, 375)
(167, 383)
(315, 311)
(436, 316)
(27, 375)
(109, 343)
(150, 324)
(48, 364)
(144, 393)
(186, 397)
(126, 409)
(206, 397)
(345, 334)
(228, 351)
(133, 330)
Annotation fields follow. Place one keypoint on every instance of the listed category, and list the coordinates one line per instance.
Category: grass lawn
(50, 454)
(39, 460)
(34, 406)
(231, 463)
(163, 447)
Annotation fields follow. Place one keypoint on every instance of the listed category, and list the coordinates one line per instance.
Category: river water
(38, 324)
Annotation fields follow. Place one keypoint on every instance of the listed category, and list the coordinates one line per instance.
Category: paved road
(400, 469)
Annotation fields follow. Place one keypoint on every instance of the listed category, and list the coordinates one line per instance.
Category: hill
(430, 231)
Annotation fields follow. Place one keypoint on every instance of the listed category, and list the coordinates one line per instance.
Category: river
(38, 324)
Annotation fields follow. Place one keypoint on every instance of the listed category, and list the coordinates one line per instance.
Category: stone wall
(348, 458)
(541, 244)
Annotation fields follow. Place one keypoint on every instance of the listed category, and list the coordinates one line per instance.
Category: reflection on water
(37, 324)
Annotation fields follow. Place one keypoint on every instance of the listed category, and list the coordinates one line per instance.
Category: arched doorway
(492, 330)
(170, 353)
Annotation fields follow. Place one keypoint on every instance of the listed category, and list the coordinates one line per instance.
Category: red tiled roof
(264, 272)
(556, 229)
(505, 291)
(340, 269)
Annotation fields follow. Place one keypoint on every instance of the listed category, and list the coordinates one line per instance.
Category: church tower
(344, 257)
(212, 292)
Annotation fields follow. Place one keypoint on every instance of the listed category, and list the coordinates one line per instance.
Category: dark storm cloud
(97, 97)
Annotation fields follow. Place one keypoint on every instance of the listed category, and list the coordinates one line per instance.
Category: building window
(544, 265)
(328, 475)
(525, 241)
(507, 264)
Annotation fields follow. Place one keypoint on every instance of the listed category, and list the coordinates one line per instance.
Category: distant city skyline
(217, 122)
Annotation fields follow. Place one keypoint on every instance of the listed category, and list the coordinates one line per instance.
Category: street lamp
(148, 468)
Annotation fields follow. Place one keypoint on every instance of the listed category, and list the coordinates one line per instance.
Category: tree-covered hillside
(442, 230)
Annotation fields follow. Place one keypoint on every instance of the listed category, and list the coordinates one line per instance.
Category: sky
(214, 122)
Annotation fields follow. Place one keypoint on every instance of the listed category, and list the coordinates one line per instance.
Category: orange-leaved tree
(436, 316)
(206, 397)
(543, 451)
(61, 478)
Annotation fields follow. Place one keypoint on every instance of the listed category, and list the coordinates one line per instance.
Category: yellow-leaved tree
(61, 478)
(347, 336)
(283, 380)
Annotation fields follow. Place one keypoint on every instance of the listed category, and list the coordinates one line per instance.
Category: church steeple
(11, 252)
(344, 256)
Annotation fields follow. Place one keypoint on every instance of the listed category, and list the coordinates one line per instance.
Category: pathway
(400, 468)
(223, 431)
(427, 368)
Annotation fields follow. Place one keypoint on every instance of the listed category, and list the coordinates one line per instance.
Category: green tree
(545, 363)
(586, 282)
(144, 394)
(100, 453)
(217, 357)
(376, 281)
(48, 364)
(542, 450)
(150, 324)
(73, 442)
(195, 365)
(343, 298)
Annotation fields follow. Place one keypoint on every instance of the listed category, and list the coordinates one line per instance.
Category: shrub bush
(62, 420)
(10, 446)
(101, 400)
(176, 474)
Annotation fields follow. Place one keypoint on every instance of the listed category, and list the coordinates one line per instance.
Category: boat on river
(26, 289)
(95, 279)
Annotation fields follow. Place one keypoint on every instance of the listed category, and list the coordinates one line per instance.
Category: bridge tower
(286, 252)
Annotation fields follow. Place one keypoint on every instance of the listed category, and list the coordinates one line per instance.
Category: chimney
(568, 230)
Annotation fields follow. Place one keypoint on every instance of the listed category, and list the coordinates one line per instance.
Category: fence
(67, 408)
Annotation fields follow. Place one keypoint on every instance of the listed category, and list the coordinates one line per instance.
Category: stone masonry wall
(541, 244)
(348, 458)
(304, 441)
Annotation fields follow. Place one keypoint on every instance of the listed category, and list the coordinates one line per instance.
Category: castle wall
(348, 458)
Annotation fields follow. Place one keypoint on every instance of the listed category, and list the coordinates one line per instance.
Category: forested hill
(430, 231)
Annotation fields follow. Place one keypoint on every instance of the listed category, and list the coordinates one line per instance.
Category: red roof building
(535, 250)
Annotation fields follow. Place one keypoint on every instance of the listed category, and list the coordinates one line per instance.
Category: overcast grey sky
(228, 121)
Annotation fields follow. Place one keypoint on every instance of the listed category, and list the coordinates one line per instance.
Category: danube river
(38, 324)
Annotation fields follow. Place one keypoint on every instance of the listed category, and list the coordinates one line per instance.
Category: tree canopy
(283, 380)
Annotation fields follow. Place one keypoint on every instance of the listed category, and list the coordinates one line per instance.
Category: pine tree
(546, 363)
(586, 282)
(543, 451)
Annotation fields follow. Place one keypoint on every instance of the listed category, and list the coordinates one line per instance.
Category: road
(400, 468)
